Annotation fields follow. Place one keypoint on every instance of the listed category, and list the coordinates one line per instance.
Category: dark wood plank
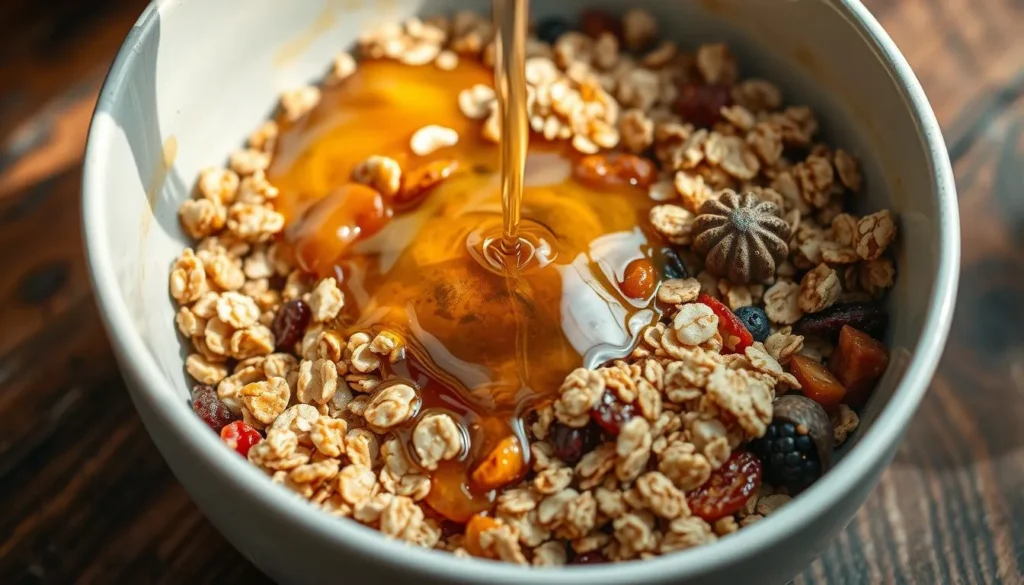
(87, 498)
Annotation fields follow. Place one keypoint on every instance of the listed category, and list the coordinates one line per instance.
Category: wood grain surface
(86, 498)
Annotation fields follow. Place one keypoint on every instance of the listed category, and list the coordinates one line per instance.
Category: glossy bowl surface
(194, 77)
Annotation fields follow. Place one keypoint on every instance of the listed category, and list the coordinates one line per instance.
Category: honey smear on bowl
(534, 296)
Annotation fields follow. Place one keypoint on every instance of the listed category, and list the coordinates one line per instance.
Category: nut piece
(475, 102)
(742, 237)
(430, 139)
(380, 172)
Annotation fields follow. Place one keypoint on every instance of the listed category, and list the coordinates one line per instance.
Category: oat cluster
(327, 411)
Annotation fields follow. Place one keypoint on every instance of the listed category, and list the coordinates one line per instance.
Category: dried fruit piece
(610, 413)
(552, 27)
(742, 237)
(735, 337)
(240, 437)
(571, 443)
(672, 265)
(615, 170)
(868, 317)
(418, 182)
(701, 104)
(595, 22)
(290, 323)
(756, 321)
(450, 495)
(728, 488)
(639, 279)
(349, 213)
(797, 447)
(210, 408)
(858, 362)
(817, 382)
(476, 526)
(503, 465)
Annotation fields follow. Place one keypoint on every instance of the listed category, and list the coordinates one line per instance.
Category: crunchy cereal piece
(768, 504)
(380, 172)
(237, 310)
(550, 554)
(819, 289)
(299, 419)
(343, 67)
(436, 438)
(222, 270)
(815, 178)
(265, 401)
(390, 344)
(217, 185)
(783, 345)
(356, 483)
(317, 381)
(733, 154)
(877, 276)
(679, 291)
(328, 435)
(662, 191)
(447, 60)
(264, 138)
(298, 102)
(762, 361)
(746, 398)
(402, 519)
(686, 532)
(727, 525)
(254, 222)
(330, 345)
(848, 170)
(431, 138)
(363, 360)
(580, 392)
(740, 117)
(782, 302)
(680, 463)
(362, 447)
(694, 324)
(693, 190)
(228, 389)
(256, 189)
(188, 277)
(552, 480)
(202, 217)
(750, 519)
(735, 295)
(757, 95)
(833, 253)
(326, 300)
(765, 140)
(189, 323)
(844, 230)
(717, 64)
(399, 475)
(595, 465)
(636, 130)
(248, 161)
(279, 451)
(476, 102)
(661, 496)
(633, 447)
(639, 29)
(843, 425)
(634, 534)
(606, 51)
(874, 234)
(711, 438)
(256, 340)
(673, 222)
(218, 336)
(205, 371)
(659, 57)
(391, 406)
(503, 542)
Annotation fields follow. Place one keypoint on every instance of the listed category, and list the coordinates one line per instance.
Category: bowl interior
(201, 75)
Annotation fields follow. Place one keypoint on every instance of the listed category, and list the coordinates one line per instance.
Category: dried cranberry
(240, 437)
(290, 324)
(611, 414)
(701, 104)
(728, 488)
(868, 317)
(572, 443)
(210, 408)
(593, 557)
(595, 22)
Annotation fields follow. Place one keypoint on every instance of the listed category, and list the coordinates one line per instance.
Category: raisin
(728, 488)
(551, 28)
(240, 437)
(610, 413)
(672, 265)
(594, 23)
(639, 279)
(571, 444)
(290, 324)
(593, 557)
(701, 104)
(870, 318)
(210, 408)
(615, 170)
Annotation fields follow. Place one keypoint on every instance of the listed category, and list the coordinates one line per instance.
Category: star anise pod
(743, 238)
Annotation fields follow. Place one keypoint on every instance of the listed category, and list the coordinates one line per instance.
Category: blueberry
(552, 27)
(672, 265)
(756, 321)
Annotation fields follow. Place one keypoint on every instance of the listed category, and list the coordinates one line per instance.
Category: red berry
(735, 336)
(240, 437)
(728, 488)
(611, 414)
(290, 324)
(571, 443)
(701, 104)
(210, 408)
(591, 558)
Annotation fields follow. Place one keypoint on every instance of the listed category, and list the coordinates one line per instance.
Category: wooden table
(85, 497)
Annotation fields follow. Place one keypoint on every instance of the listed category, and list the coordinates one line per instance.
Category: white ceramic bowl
(195, 76)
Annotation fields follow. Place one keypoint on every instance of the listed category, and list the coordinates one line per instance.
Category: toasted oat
(326, 300)
(298, 102)
(431, 138)
(391, 406)
(695, 323)
(263, 402)
(845, 422)
(343, 68)
(673, 222)
(874, 234)
(436, 438)
(819, 289)
(380, 172)
(782, 302)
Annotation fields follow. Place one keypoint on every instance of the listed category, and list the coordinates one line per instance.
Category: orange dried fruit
(419, 181)
(858, 362)
(615, 170)
(476, 526)
(639, 279)
(450, 495)
(501, 466)
(817, 382)
(349, 213)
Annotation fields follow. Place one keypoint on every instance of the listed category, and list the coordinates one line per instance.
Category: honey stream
(491, 330)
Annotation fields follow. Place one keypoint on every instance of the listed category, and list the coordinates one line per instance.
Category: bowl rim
(875, 445)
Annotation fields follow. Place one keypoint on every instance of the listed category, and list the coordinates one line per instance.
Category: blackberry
(756, 321)
(549, 29)
(790, 458)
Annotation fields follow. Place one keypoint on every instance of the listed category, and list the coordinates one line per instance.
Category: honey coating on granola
(484, 344)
